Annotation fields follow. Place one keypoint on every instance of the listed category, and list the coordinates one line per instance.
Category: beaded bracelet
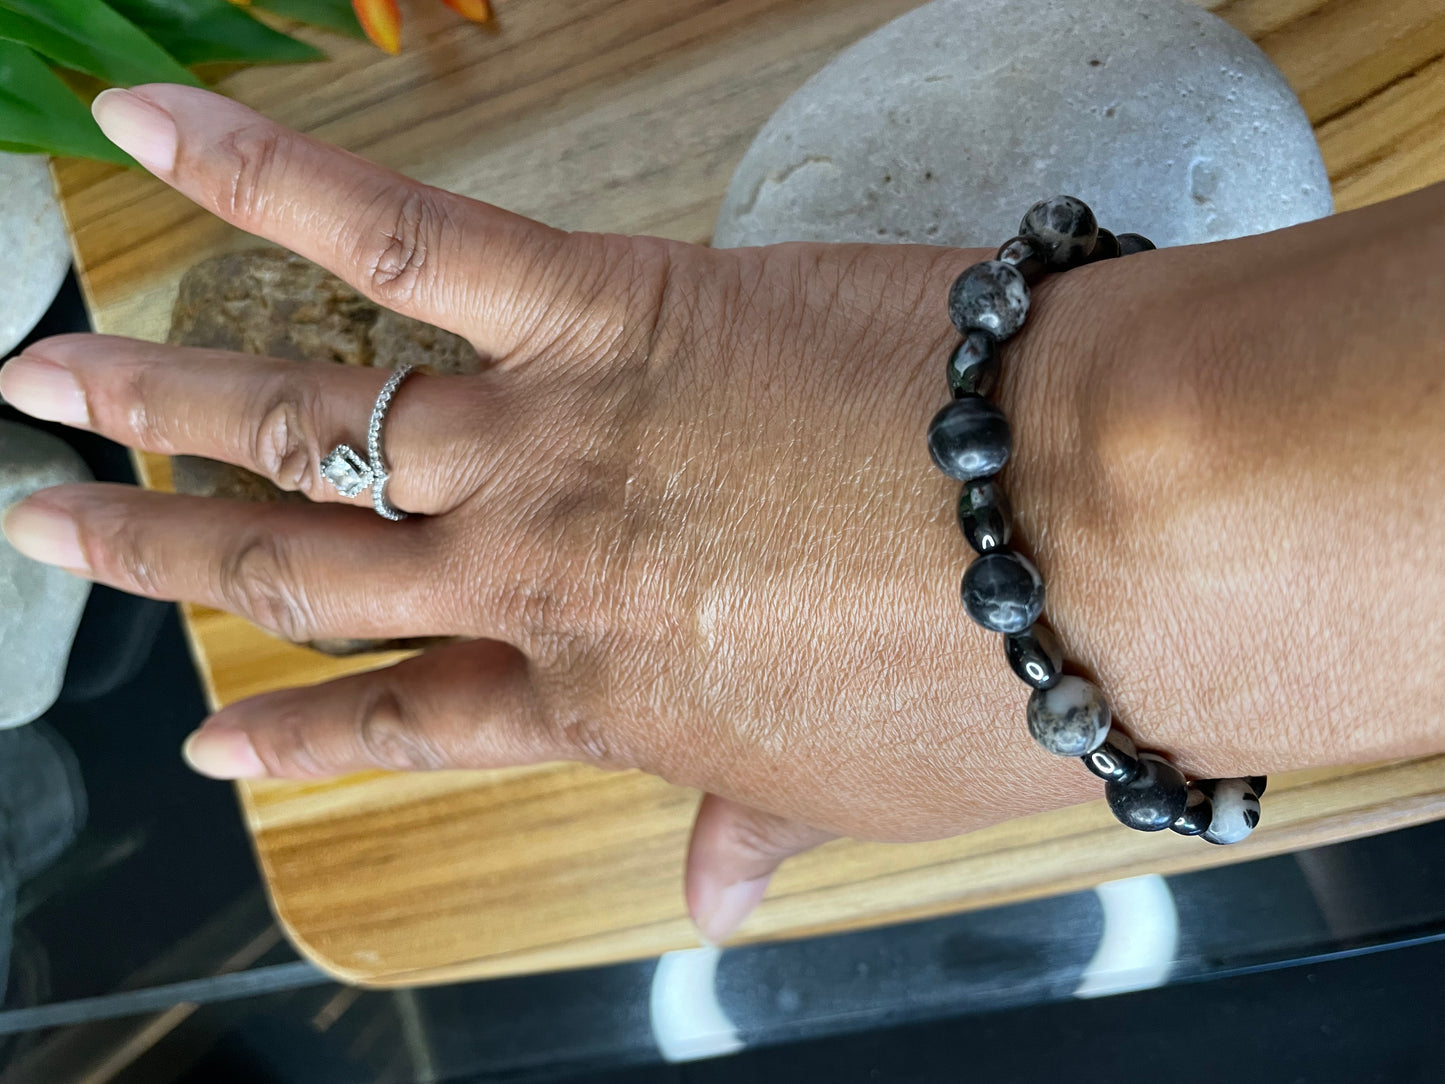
(970, 440)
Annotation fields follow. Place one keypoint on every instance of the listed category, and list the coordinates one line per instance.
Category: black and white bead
(970, 440)
(1235, 811)
(1070, 718)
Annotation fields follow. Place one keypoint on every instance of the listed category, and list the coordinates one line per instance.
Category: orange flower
(381, 19)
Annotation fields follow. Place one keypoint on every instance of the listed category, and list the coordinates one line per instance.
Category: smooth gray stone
(32, 236)
(945, 125)
(39, 605)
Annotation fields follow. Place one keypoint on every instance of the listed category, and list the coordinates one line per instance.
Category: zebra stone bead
(1106, 247)
(1035, 656)
(1235, 811)
(1153, 800)
(974, 365)
(1116, 760)
(1063, 228)
(1130, 243)
(1024, 255)
(969, 439)
(1003, 591)
(990, 296)
(984, 516)
(1070, 718)
(1194, 821)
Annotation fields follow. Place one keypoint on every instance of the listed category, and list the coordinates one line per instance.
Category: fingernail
(222, 754)
(44, 533)
(143, 130)
(722, 910)
(44, 390)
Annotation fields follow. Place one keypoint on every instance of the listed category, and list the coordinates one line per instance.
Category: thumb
(734, 851)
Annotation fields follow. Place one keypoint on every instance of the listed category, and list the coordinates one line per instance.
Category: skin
(687, 521)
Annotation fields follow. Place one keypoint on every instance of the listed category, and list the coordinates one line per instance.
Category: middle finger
(300, 572)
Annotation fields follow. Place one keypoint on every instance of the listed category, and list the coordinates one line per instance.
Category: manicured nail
(44, 533)
(722, 910)
(143, 130)
(223, 754)
(44, 390)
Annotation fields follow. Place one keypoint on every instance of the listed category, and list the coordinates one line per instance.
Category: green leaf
(88, 36)
(203, 31)
(332, 14)
(39, 112)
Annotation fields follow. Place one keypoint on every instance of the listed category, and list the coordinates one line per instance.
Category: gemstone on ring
(347, 471)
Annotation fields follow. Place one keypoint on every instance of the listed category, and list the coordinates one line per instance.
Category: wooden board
(629, 115)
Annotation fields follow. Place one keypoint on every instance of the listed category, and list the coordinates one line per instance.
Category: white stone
(946, 124)
(32, 237)
(40, 606)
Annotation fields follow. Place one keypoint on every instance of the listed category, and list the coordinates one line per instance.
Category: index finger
(467, 266)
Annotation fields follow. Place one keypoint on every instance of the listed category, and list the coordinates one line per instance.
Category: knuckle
(249, 157)
(590, 741)
(122, 549)
(759, 835)
(390, 738)
(255, 580)
(150, 429)
(292, 747)
(284, 446)
(398, 247)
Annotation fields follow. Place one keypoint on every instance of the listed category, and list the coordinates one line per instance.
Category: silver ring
(349, 473)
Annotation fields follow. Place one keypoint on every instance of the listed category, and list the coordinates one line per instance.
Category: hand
(685, 517)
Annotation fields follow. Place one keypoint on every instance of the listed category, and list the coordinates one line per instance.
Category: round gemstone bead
(1194, 821)
(1106, 247)
(1035, 656)
(1003, 592)
(969, 439)
(1235, 811)
(990, 296)
(1070, 718)
(1153, 800)
(1024, 255)
(1130, 243)
(984, 516)
(1116, 760)
(974, 364)
(1063, 228)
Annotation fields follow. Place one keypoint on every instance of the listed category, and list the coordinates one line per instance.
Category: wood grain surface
(628, 116)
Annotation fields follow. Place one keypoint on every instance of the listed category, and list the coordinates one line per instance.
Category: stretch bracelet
(970, 440)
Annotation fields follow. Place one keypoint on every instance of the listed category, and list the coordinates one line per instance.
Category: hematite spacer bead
(973, 366)
(1003, 591)
(1070, 718)
(1116, 760)
(969, 439)
(1257, 783)
(1153, 800)
(1034, 655)
(1194, 821)
(1106, 247)
(1130, 243)
(1235, 811)
(1024, 255)
(1063, 228)
(984, 516)
(990, 296)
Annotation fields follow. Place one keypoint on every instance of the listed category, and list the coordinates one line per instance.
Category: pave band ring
(344, 468)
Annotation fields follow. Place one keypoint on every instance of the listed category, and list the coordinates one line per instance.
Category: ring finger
(276, 418)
